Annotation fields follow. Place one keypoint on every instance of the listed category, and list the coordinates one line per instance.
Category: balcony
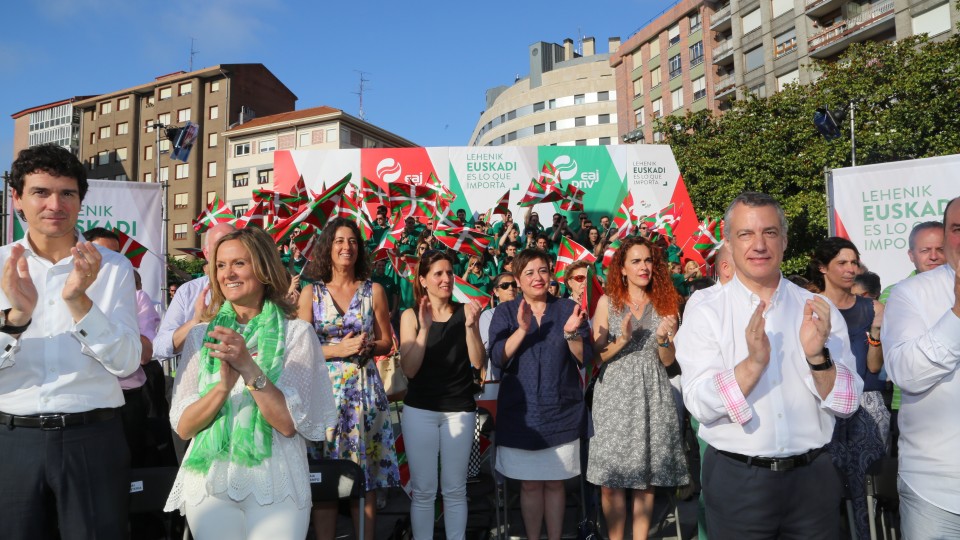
(785, 48)
(720, 20)
(816, 8)
(725, 87)
(723, 54)
(836, 38)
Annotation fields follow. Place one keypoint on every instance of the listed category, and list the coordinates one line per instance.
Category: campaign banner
(876, 207)
(135, 209)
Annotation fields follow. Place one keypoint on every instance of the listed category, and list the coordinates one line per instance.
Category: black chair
(883, 498)
(335, 479)
(149, 489)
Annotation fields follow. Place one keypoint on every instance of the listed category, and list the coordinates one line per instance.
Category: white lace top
(309, 396)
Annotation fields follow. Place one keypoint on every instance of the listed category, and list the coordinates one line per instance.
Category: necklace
(636, 305)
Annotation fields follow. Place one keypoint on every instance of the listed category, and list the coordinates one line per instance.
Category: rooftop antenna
(579, 50)
(360, 93)
(193, 52)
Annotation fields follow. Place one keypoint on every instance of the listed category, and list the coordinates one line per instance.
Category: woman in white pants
(439, 347)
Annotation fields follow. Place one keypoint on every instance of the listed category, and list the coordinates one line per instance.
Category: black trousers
(77, 477)
(745, 502)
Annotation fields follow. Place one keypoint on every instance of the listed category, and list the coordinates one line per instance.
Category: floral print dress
(364, 433)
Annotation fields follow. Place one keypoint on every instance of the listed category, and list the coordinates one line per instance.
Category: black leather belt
(777, 464)
(57, 420)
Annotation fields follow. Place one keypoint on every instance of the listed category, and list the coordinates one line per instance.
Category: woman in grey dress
(636, 445)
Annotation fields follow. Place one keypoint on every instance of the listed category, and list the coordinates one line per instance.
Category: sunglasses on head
(579, 279)
(507, 285)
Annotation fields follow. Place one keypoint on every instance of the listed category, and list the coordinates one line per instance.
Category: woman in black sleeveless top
(439, 342)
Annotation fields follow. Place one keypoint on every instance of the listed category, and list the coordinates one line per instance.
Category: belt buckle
(50, 422)
(783, 465)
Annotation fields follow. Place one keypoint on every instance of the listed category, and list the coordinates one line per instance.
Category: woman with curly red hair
(637, 444)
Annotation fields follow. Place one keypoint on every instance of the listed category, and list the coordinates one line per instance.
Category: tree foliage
(906, 98)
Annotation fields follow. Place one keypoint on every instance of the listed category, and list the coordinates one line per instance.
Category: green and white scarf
(240, 433)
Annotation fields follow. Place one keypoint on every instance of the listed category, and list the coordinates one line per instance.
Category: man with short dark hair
(766, 369)
(69, 330)
(921, 346)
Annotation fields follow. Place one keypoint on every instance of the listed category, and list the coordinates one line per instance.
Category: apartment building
(569, 98)
(123, 133)
(251, 145)
(663, 69)
(56, 123)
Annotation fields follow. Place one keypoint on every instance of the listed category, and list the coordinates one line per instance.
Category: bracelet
(827, 363)
(666, 344)
(571, 336)
(873, 342)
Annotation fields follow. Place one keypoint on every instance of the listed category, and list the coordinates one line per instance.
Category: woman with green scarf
(249, 396)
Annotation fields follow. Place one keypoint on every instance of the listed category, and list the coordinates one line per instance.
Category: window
(781, 6)
(123, 128)
(149, 101)
(186, 88)
(106, 107)
(265, 176)
(552, 104)
(636, 58)
(180, 200)
(332, 135)
(211, 195)
(214, 112)
(93, 138)
(148, 177)
(121, 154)
(638, 116)
(580, 121)
(787, 78)
(183, 115)
(655, 48)
(696, 53)
(123, 104)
(356, 139)
(539, 128)
(638, 87)
(164, 146)
(675, 67)
(674, 34)
(212, 169)
(512, 136)
(148, 152)
(751, 21)
(105, 132)
(655, 77)
(676, 98)
(658, 136)
(786, 42)
(103, 158)
(212, 140)
(148, 126)
(241, 149)
(182, 171)
(240, 209)
(164, 119)
(604, 141)
(512, 115)
(603, 119)
(180, 231)
(578, 99)
(933, 22)
(759, 90)
(753, 59)
(166, 93)
(268, 145)
(553, 125)
(699, 88)
(603, 96)
(241, 179)
(694, 20)
(657, 108)
(538, 106)
(214, 86)
(164, 174)
(306, 141)
(581, 142)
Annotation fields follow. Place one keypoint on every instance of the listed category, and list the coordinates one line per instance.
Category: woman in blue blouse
(539, 342)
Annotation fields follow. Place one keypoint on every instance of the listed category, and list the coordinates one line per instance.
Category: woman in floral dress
(351, 316)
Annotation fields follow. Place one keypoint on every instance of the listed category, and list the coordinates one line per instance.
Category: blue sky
(428, 63)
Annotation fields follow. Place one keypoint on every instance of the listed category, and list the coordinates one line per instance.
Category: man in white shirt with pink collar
(766, 368)
(921, 351)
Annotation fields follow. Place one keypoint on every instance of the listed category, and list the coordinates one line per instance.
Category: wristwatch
(9, 328)
(827, 362)
(258, 383)
(571, 336)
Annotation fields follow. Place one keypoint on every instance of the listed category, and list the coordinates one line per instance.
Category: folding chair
(881, 487)
(149, 489)
(335, 479)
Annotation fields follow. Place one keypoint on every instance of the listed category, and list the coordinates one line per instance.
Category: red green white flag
(350, 208)
(708, 239)
(624, 218)
(503, 205)
(573, 200)
(463, 240)
(372, 194)
(465, 293)
(570, 252)
(215, 212)
(410, 200)
(130, 248)
(259, 216)
(663, 222)
(316, 213)
(612, 248)
(304, 238)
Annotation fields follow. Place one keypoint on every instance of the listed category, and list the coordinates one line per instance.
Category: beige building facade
(569, 98)
(52, 123)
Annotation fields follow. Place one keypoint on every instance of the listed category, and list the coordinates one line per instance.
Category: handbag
(394, 381)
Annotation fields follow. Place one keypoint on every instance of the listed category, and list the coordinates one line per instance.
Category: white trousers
(427, 434)
(216, 518)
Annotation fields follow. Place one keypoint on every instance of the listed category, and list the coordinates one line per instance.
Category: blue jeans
(921, 520)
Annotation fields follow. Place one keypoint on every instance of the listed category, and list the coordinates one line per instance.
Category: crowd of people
(793, 385)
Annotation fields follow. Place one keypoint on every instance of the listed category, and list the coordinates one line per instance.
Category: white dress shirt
(784, 414)
(180, 311)
(58, 366)
(921, 350)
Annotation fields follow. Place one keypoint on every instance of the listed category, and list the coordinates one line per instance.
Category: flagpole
(164, 219)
